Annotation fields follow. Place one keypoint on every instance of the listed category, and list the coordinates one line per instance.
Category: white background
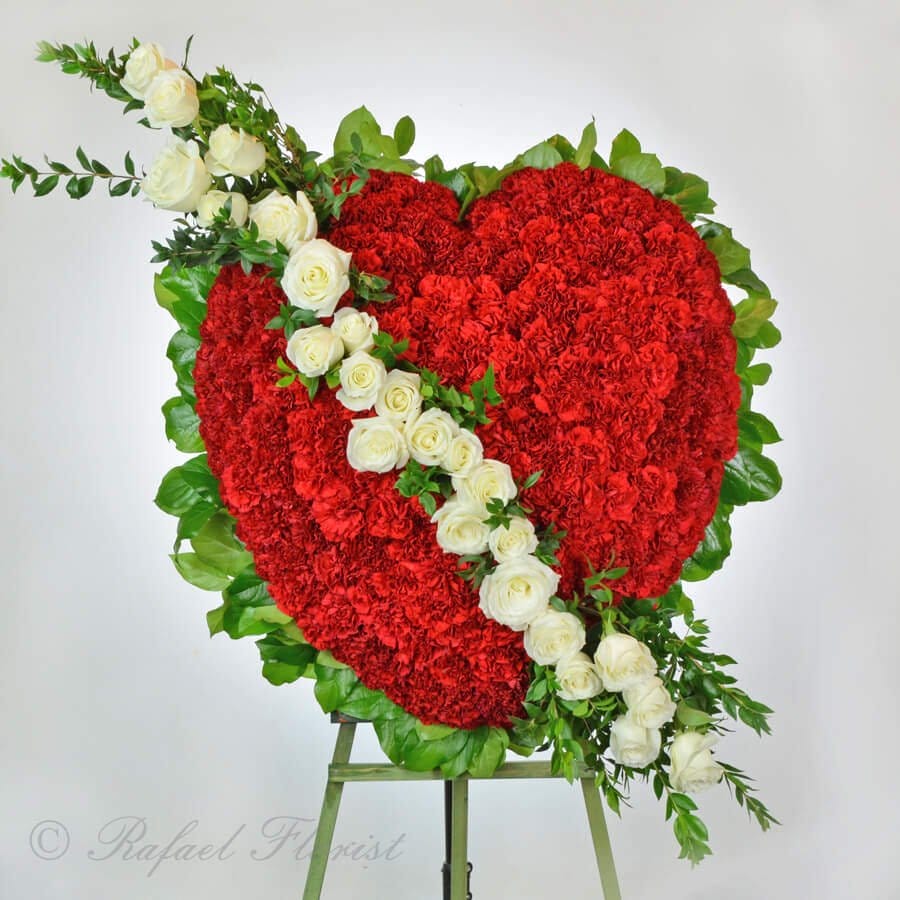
(115, 702)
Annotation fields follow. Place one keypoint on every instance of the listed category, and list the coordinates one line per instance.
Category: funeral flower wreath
(459, 436)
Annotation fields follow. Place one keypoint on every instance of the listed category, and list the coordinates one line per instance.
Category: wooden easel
(456, 810)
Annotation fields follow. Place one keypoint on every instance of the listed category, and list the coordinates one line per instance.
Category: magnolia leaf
(542, 156)
(216, 544)
(199, 573)
(714, 549)
(749, 477)
(644, 169)
(182, 425)
(586, 145)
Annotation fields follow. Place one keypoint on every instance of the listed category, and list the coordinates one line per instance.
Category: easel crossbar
(343, 772)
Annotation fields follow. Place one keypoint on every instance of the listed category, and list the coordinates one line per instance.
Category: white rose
(515, 593)
(649, 703)
(429, 436)
(460, 528)
(361, 377)
(489, 480)
(553, 635)
(578, 678)
(376, 445)
(464, 453)
(693, 767)
(144, 63)
(623, 662)
(518, 539)
(356, 329)
(400, 396)
(634, 746)
(177, 179)
(314, 350)
(279, 218)
(171, 99)
(211, 203)
(234, 152)
(316, 276)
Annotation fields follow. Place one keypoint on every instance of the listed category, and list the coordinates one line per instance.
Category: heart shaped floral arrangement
(462, 434)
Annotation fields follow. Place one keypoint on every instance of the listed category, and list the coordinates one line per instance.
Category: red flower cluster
(602, 313)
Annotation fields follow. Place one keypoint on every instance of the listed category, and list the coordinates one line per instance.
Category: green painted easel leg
(594, 805)
(459, 864)
(315, 877)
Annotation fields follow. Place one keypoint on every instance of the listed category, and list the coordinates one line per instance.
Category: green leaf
(714, 549)
(199, 573)
(730, 254)
(175, 496)
(371, 140)
(542, 156)
(586, 145)
(216, 544)
(624, 144)
(180, 283)
(491, 754)
(214, 620)
(195, 518)
(758, 374)
(404, 135)
(750, 477)
(644, 169)
(182, 425)
(756, 430)
(691, 717)
(42, 188)
(430, 754)
(751, 314)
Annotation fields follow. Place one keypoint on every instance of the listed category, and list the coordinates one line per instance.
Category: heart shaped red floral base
(603, 315)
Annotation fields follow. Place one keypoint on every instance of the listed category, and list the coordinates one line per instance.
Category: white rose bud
(400, 396)
(429, 436)
(518, 539)
(361, 377)
(489, 480)
(177, 179)
(314, 350)
(578, 678)
(553, 635)
(623, 662)
(211, 204)
(234, 152)
(316, 276)
(144, 63)
(279, 218)
(460, 528)
(649, 703)
(693, 767)
(515, 593)
(356, 329)
(634, 746)
(171, 99)
(464, 453)
(376, 445)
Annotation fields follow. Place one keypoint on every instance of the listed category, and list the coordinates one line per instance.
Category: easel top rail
(343, 772)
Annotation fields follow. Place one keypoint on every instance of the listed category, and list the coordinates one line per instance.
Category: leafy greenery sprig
(83, 60)
(79, 181)
(219, 245)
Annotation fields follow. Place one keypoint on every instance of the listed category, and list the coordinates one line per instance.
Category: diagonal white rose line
(518, 589)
